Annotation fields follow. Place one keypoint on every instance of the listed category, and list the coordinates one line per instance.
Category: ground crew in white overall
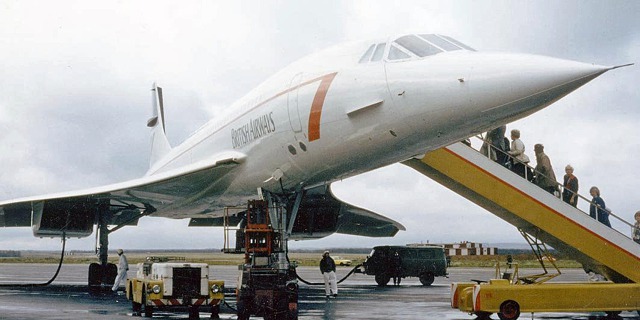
(123, 267)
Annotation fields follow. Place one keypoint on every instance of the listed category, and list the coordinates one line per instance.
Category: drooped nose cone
(511, 86)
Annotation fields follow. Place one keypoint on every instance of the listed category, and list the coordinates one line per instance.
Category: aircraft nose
(522, 84)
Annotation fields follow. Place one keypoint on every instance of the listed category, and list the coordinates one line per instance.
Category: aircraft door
(292, 104)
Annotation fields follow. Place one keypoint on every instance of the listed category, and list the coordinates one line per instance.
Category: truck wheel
(242, 311)
(135, 307)
(481, 315)
(613, 314)
(215, 312)
(382, 279)
(148, 310)
(292, 315)
(427, 278)
(194, 313)
(509, 310)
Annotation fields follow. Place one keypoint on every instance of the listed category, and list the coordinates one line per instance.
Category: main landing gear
(102, 274)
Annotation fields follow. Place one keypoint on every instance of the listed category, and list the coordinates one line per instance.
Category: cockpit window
(377, 55)
(458, 43)
(411, 47)
(443, 44)
(417, 46)
(367, 55)
(374, 53)
(396, 54)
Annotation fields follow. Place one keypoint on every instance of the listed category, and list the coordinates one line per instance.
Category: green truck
(425, 262)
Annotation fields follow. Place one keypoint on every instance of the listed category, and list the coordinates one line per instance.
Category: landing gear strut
(268, 284)
(102, 274)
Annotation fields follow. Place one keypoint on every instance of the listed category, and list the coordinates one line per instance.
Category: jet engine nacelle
(72, 217)
(317, 217)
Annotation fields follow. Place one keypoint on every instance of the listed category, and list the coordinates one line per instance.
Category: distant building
(9, 254)
(464, 248)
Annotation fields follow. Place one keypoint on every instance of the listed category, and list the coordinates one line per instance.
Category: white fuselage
(328, 117)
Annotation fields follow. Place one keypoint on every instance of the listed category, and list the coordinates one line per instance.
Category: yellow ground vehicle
(509, 300)
(512, 295)
(341, 262)
(174, 285)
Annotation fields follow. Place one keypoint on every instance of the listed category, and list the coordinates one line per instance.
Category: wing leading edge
(75, 212)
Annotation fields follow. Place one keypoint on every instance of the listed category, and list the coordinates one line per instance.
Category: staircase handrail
(559, 186)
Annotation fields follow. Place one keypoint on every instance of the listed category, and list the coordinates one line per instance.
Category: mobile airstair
(545, 217)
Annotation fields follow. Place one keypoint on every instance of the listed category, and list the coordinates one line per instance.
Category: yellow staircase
(533, 210)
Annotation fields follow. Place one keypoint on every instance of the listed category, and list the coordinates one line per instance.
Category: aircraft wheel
(111, 273)
(382, 279)
(427, 278)
(94, 278)
(509, 310)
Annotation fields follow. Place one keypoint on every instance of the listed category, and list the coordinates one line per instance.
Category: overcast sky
(75, 79)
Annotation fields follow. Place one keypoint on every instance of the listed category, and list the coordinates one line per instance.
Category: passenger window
(377, 55)
(367, 55)
(434, 39)
(417, 46)
(397, 54)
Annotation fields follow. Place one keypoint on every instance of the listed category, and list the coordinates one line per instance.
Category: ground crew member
(328, 270)
(396, 265)
(123, 267)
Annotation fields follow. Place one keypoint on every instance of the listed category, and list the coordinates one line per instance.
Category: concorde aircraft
(334, 114)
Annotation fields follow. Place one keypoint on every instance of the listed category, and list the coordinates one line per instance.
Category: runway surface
(359, 297)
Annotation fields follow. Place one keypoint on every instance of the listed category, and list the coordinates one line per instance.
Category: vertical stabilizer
(159, 144)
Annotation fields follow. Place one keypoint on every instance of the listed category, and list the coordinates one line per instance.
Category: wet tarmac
(358, 298)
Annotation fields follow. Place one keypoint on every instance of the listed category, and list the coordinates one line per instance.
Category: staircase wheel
(509, 310)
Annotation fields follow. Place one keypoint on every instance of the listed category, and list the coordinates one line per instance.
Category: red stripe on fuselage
(316, 106)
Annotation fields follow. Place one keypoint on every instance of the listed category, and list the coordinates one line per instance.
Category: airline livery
(335, 114)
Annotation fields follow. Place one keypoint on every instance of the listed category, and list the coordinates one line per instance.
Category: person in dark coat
(598, 210)
(570, 187)
(497, 138)
(328, 270)
(545, 178)
(396, 268)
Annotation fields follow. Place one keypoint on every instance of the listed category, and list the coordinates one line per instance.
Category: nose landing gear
(267, 285)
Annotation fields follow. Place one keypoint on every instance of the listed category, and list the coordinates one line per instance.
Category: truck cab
(174, 285)
(424, 262)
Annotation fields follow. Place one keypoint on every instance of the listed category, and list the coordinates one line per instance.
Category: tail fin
(159, 144)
